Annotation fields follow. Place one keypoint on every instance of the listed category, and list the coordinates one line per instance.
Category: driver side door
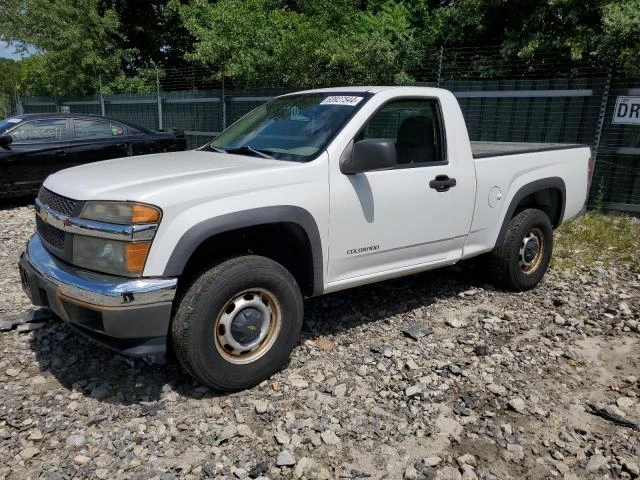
(383, 222)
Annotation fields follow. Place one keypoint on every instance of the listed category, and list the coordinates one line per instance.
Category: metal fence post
(440, 58)
(603, 111)
(103, 110)
(159, 100)
(19, 107)
(224, 106)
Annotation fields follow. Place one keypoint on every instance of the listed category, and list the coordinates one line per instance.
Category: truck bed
(496, 149)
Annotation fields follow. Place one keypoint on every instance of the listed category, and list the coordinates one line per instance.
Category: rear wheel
(238, 323)
(523, 257)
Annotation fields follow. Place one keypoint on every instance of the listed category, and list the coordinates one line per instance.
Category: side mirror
(5, 141)
(369, 154)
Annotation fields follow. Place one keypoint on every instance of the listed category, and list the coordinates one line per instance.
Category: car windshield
(293, 127)
(7, 123)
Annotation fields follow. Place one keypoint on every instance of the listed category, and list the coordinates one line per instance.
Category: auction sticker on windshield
(349, 100)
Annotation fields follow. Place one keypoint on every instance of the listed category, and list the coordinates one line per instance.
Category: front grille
(50, 234)
(56, 202)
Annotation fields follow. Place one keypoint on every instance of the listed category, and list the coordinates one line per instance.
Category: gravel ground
(498, 385)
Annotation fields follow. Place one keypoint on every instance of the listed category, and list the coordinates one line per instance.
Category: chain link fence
(545, 99)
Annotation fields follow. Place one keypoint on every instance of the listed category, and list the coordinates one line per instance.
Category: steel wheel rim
(531, 251)
(228, 337)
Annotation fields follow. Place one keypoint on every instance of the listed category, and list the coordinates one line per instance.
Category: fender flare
(202, 231)
(556, 183)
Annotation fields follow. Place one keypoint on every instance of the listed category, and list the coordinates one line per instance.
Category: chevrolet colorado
(211, 252)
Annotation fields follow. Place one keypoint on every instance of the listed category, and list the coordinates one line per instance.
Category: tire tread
(501, 258)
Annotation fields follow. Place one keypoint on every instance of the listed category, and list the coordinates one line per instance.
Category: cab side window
(415, 129)
(40, 131)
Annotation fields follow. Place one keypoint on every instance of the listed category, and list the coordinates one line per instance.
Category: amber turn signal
(136, 255)
(144, 214)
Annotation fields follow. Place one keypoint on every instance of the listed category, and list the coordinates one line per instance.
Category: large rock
(596, 463)
(448, 473)
(76, 441)
(285, 459)
(517, 404)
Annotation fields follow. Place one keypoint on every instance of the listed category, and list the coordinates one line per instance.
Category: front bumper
(128, 315)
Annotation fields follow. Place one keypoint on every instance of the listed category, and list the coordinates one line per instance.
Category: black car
(35, 145)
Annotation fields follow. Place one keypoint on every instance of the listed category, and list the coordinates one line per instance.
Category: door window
(92, 129)
(135, 131)
(40, 131)
(415, 129)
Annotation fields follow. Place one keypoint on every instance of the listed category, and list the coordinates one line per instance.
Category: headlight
(110, 256)
(115, 256)
(121, 213)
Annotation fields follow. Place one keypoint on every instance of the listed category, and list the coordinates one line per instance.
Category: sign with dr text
(627, 110)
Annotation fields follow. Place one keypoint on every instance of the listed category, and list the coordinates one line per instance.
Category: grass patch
(596, 237)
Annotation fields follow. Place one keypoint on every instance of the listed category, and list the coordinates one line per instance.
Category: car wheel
(238, 322)
(523, 257)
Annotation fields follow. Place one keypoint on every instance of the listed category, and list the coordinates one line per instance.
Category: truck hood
(144, 177)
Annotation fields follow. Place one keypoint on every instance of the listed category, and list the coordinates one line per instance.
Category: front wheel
(238, 323)
(522, 258)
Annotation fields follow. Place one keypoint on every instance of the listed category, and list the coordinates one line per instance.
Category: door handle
(60, 153)
(442, 183)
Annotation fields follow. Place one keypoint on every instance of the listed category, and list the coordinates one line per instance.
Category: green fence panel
(197, 112)
(39, 105)
(515, 109)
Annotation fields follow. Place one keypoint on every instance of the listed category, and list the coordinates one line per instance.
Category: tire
(220, 315)
(514, 264)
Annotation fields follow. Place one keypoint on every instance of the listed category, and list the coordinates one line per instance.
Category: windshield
(294, 127)
(7, 123)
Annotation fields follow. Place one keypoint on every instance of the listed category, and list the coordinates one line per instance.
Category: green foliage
(143, 82)
(151, 32)
(75, 43)
(598, 201)
(9, 76)
(599, 31)
(621, 36)
(81, 44)
(304, 42)
(598, 238)
(261, 42)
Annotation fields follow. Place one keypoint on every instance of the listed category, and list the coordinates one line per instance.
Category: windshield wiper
(216, 149)
(248, 149)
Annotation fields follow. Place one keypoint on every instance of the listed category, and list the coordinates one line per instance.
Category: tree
(122, 44)
(553, 34)
(305, 43)
(621, 35)
(152, 32)
(9, 77)
(75, 44)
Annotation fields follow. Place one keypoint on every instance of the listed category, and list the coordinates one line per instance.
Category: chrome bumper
(94, 288)
(128, 315)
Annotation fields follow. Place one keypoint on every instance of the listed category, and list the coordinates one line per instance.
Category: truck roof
(366, 89)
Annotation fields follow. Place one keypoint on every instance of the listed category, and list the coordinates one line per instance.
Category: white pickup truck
(211, 252)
